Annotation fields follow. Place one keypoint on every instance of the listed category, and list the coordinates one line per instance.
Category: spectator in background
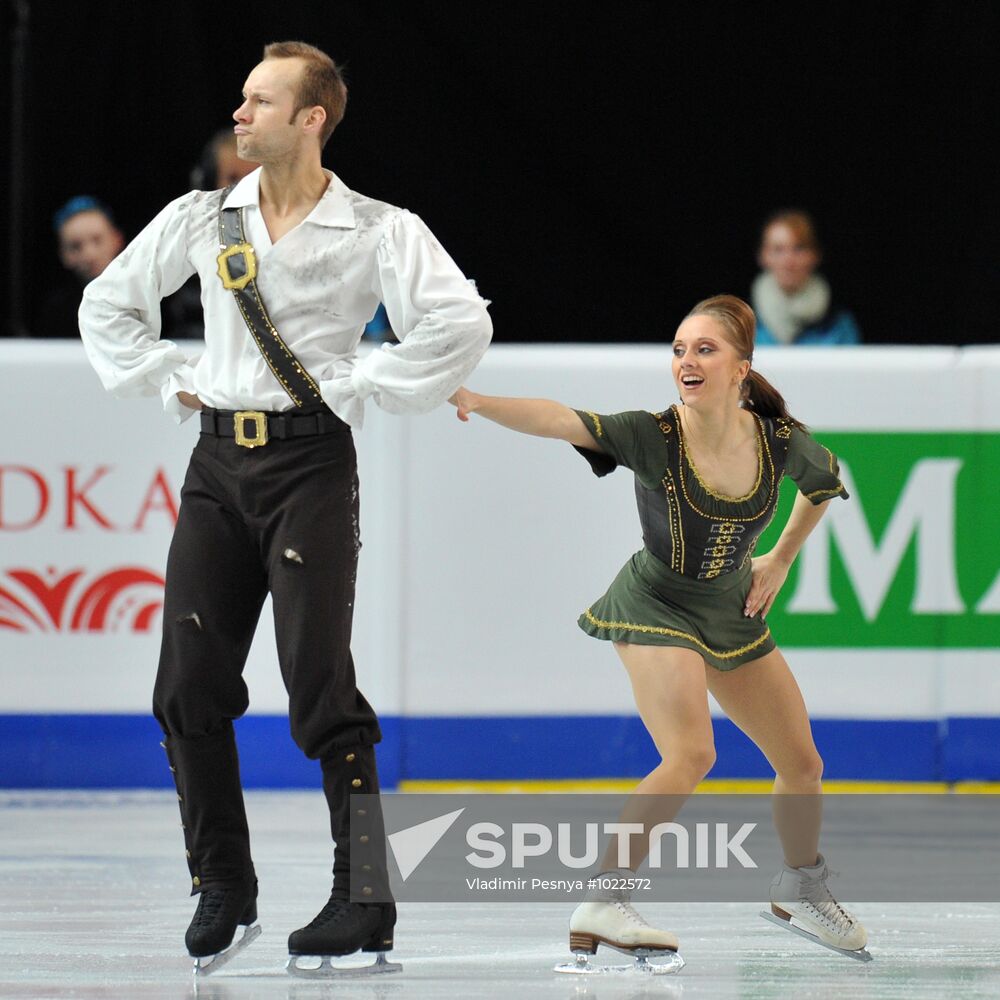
(88, 240)
(218, 166)
(378, 327)
(793, 303)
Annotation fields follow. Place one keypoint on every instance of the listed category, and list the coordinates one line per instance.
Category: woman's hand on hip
(768, 576)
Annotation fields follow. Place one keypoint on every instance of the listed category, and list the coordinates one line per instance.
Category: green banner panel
(914, 562)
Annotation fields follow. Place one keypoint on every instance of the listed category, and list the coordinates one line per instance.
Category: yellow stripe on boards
(715, 786)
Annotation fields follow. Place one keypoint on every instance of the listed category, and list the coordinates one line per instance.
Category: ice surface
(94, 903)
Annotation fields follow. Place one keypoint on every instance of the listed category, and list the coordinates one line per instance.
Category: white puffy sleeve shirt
(320, 283)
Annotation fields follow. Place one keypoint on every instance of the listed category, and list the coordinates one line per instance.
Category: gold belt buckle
(244, 250)
(259, 428)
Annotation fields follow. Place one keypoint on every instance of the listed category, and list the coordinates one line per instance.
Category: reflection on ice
(94, 903)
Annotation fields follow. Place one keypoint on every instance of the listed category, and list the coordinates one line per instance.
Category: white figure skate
(802, 903)
(607, 917)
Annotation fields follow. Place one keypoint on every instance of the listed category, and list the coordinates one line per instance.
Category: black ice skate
(343, 928)
(220, 912)
(207, 774)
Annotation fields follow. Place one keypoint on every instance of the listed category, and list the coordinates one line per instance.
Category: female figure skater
(687, 613)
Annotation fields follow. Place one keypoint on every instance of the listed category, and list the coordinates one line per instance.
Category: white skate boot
(802, 903)
(607, 917)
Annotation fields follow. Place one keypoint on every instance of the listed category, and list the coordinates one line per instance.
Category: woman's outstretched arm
(540, 417)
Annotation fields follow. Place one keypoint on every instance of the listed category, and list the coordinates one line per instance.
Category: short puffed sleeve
(633, 439)
(813, 468)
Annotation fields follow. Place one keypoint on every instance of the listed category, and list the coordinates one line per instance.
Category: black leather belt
(253, 428)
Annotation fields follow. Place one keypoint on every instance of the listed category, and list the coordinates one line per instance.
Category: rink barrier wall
(480, 550)
(122, 751)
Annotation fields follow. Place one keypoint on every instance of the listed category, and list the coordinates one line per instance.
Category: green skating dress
(688, 585)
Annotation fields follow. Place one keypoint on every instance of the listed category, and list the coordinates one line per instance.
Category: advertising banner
(482, 547)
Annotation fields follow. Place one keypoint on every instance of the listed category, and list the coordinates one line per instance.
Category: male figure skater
(292, 265)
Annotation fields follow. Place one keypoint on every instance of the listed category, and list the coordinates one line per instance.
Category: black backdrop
(595, 172)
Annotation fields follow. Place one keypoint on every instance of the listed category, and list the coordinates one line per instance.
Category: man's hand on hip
(190, 400)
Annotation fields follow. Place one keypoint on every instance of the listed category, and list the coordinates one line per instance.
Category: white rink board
(481, 547)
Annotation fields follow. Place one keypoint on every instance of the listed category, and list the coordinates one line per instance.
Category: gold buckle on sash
(245, 250)
(260, 428)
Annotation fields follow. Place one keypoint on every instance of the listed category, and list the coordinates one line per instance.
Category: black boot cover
(348, 924)
(216, 838)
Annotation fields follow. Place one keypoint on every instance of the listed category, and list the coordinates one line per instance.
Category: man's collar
(333, 209)
(246, 192)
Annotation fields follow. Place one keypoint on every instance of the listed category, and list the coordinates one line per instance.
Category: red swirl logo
(125, 599)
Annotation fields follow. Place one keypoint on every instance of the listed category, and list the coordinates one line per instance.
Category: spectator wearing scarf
(793, 303)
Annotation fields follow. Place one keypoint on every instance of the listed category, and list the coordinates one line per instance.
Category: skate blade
(206, 966)
(582, 966)
(327, 970)
(861, 955)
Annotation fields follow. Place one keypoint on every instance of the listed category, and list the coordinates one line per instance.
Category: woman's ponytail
(760, 396)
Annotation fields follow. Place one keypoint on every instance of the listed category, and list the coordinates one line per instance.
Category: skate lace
(333, 910)
(814, 892)
(631, 914)
(208, 908)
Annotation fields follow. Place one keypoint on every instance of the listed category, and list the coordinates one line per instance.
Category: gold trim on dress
(714, 517)
(598, 430)
(758, 427)
(663, 630)
(674, 522)
(664, 425)
(832, 493)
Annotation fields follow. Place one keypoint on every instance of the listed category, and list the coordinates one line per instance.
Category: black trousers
(280, 519)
